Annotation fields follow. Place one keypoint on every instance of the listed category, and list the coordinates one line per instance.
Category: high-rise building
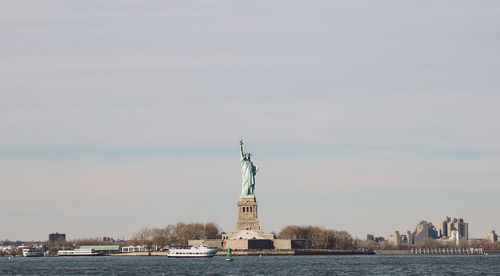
(492, 236)
(395, 239)
(444, 227)
(424, 230)
(56, 237)
(449, 224)
(408, 238)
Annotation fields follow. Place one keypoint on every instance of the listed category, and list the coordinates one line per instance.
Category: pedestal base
(247, 225)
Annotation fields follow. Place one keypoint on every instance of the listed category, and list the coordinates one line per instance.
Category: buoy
(228, 256)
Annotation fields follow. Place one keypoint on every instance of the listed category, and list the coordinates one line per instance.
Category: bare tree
(318, 237)
(212, 231)
(159, 237)
(179, 233)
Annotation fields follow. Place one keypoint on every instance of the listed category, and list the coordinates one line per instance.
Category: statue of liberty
(248, 171)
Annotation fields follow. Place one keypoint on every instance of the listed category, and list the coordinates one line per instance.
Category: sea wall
(393, 252)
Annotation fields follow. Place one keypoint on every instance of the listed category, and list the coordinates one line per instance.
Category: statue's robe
(248, 171)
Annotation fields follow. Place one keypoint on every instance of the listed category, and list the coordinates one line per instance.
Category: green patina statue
(248, 171)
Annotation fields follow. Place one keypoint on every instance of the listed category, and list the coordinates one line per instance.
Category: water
(265, 265)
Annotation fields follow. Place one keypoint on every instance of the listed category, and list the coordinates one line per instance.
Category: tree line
(178, 233)
(318, 237)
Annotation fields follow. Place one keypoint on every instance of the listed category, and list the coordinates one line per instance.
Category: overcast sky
(365, 116)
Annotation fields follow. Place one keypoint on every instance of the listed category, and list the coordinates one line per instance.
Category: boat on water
(189, 251)
(33, 252)
(78, 252)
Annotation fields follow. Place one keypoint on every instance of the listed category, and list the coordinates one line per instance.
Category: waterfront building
(134, 248)
(56, 237)
(424, 230)
(492, 236)
(102, 249)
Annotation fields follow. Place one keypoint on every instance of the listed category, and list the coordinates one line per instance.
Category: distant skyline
(362, 116)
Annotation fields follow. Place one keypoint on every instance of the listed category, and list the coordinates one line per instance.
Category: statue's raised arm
(241, 148)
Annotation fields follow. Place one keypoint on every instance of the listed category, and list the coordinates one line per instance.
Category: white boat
(189, 251)
(78, 252)
(32, 252)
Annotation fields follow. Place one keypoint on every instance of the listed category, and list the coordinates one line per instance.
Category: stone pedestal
(247, 216)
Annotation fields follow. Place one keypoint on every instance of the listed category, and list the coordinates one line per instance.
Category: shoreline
(296, 252)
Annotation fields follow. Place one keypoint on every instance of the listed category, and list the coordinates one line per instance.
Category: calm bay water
(266, 265)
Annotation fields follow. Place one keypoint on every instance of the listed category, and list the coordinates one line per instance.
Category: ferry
(32, 252)
(189, 251)
(78, 252)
